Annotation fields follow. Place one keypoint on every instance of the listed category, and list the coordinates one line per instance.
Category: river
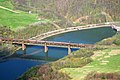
(13, 68)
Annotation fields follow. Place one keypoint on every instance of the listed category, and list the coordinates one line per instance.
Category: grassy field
(14, 20)
(104, 61)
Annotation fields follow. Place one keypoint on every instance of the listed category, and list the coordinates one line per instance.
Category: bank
(69, 29)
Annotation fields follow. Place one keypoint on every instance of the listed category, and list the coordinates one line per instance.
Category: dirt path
(8, 9)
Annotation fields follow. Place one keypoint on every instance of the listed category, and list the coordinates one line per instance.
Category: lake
(13, 68)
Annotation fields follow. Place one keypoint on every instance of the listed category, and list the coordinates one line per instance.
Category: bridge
(117, 28)
(23, 44)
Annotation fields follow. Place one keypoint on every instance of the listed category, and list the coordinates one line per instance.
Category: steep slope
(75, 9)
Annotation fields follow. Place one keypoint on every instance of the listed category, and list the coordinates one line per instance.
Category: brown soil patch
(114, 52)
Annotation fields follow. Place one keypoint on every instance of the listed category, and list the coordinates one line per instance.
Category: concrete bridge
(117, 28)
(23, 44)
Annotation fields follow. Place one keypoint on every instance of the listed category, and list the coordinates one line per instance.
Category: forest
(77, 11)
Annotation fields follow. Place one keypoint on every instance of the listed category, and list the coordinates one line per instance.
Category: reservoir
(13, 68)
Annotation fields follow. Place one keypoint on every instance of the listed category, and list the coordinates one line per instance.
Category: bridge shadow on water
(37, 53)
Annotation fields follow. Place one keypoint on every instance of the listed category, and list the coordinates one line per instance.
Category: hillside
(62, 12)
(78, 11)
(98, 63)
(23, 19)
(17, 19)
(105, 61)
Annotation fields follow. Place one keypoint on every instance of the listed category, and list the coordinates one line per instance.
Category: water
(38, 51)
(11, 69)
(89, 36)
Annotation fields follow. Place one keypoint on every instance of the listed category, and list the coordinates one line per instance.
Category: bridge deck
(42, 43)
(116, 27)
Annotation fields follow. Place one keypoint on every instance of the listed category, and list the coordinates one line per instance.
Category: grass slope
(14, 20)
(104, 61)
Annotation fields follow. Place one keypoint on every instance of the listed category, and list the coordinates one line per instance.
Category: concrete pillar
(23, 46)
(45, 48)
(69, 50)
(0, 40)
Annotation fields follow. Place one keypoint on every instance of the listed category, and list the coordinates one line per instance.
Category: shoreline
(56, 32)
(7, 56)
(60, 31)
(65, 30)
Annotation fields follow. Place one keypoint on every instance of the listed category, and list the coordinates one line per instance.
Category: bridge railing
(37, 42)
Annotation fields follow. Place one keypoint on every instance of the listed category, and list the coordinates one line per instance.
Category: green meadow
(14, 19)
(105, 61)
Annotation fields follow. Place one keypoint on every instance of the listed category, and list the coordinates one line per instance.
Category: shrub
(30, 73)
(71, 62)
(79, 59)
(34, 30)
(44, 72)
(83, 53)
(117, 41)
(100, 47)
(109, 41)
(102, 76)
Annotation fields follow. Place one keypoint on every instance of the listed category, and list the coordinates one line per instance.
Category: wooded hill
(83, 11)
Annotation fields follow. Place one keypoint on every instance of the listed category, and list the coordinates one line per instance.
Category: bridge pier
(23, 46)
(0, 40)
(69, 50)
(45, 48)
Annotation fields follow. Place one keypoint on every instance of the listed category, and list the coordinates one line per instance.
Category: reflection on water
(37, 52)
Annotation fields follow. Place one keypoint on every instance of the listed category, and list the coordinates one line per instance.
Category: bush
(71, 62)
(102, 76)
(83, 53)
(34, 30)
(109, 41)
(44, 72)
(79, 59)
(30, 73)
(117, 41)
(100, 47)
